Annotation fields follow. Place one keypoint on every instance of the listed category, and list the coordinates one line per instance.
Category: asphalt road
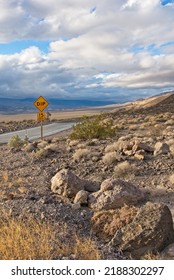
(35, 132)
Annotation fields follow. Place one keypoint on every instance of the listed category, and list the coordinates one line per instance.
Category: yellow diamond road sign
(40, 103)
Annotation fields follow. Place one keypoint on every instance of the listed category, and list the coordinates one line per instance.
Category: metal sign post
(41, 104)
(41, 126)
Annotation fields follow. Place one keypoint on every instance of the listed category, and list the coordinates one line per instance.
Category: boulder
(142, 146)
(114, 193)
(168, 252)
(81, 197)
(91, 186)
(161, 148)
(66, 183)
(151, 229)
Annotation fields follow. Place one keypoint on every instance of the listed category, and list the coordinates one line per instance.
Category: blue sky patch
(165, 2)
(18, 46)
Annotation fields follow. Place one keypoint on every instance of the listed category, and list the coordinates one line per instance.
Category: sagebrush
(93, 127)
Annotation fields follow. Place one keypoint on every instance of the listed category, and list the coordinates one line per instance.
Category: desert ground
(112, 196)
(59, 115)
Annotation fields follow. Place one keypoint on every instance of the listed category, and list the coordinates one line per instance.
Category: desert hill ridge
(150, 105)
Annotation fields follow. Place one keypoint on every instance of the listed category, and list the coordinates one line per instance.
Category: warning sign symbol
(41, 103)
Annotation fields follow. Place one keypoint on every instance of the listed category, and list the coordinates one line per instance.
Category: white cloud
(144, 5)
(95, 44)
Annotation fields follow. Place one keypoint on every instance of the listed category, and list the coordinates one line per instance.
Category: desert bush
(80, 153)
(85, 249)
(25, 241)
(29, 239)
(111, 157)
(52, 147)
(15, 142)
(82, 145)
(112, 147)
(39, 154)
(72, 143)
(123, 169)
(92, 127)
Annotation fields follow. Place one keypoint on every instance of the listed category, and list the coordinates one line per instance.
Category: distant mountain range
(17, 106)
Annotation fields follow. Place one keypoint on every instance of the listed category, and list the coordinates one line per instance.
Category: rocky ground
(141, 153)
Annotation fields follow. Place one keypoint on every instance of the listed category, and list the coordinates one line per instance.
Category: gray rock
(142, 146)
(66, 183)
(81, 197)
(114, 193)
(161, 148)
(168, 252)
(91, 186)
(76, 206)
(151, 229)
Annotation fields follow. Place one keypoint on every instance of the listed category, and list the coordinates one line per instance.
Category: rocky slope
(141, 155)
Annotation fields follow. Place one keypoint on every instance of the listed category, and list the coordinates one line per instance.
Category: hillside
(121, 185)
(159, 104)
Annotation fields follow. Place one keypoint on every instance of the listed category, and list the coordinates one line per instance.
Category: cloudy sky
(84, 49)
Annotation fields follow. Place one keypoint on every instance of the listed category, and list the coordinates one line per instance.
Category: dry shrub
(25, 241)
(42, 153)
(112, 147)
(82, 145)
(123, 169)
(80, 248)
(106, 223)
(72, 143)
(111, 157)
(30, 239)
(15, 142)
(52, 147)
(85, 249)
(80, 153)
